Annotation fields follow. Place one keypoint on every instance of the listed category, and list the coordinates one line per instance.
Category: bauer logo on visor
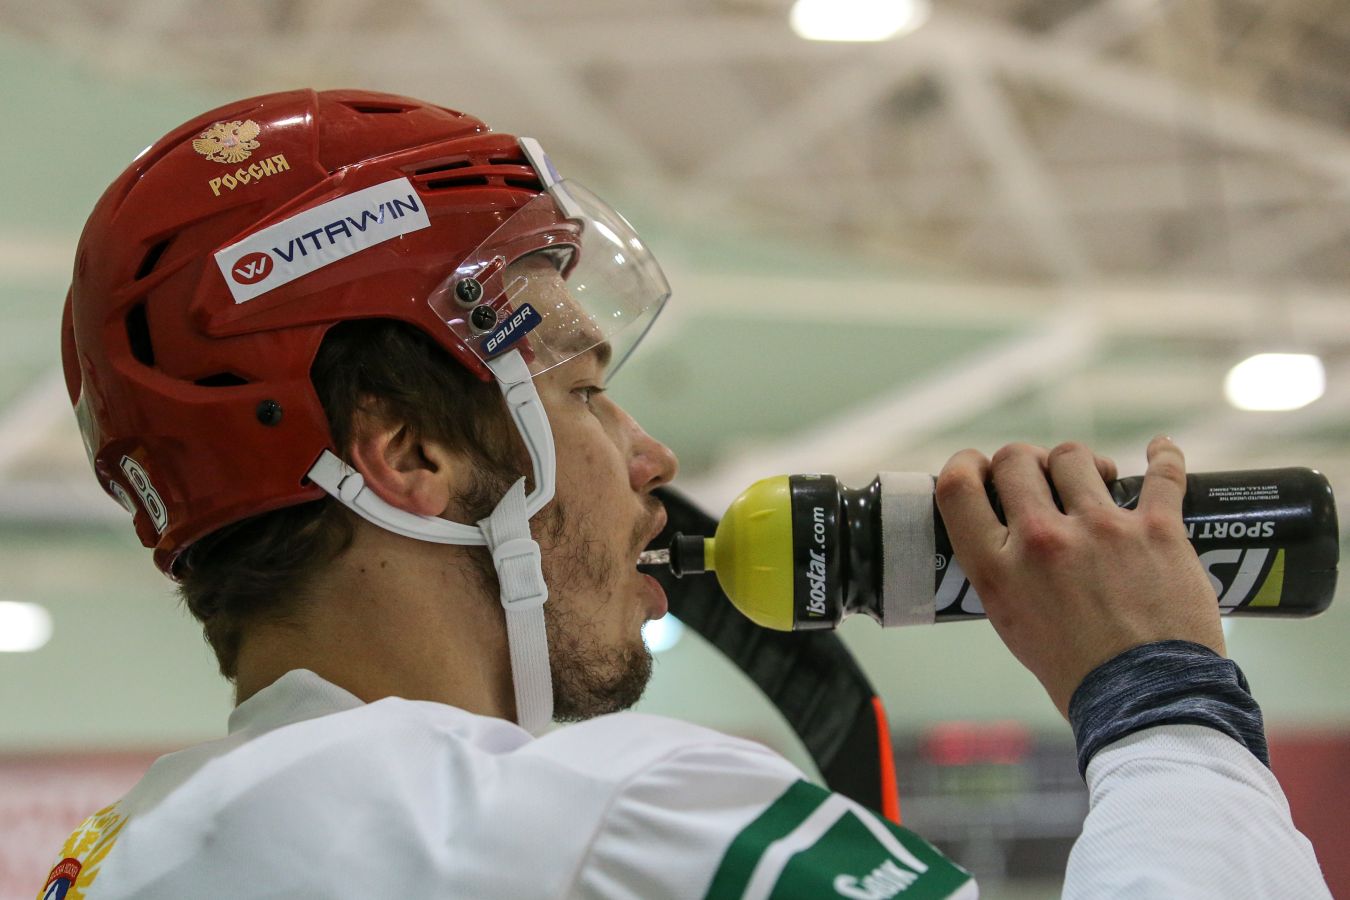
(512, 330)
(310, 240)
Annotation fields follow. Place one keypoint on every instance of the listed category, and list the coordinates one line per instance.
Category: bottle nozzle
(654, 558)
(686, 555)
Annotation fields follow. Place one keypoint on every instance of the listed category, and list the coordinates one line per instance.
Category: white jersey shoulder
(315, 793)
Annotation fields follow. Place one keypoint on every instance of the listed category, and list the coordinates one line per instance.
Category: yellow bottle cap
(752, 553)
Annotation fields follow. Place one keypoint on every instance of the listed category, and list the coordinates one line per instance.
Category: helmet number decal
(150, 501)
(325, 234)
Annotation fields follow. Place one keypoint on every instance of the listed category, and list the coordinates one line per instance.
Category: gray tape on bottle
(908, 549)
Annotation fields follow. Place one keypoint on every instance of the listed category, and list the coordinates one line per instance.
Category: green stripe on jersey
(812, 843)
(785, 814)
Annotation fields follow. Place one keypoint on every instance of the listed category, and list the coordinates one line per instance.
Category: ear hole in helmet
(138, 335)
(222, 379)
(151, 258)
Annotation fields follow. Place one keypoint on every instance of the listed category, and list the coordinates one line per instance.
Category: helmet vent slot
(151, 258)
(443, 167)
(221, 379)
(377, 108)
(454, 181)
(138, 335)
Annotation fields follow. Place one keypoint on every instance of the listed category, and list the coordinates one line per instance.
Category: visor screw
(468, 291)
(269, 412)
(483, 317)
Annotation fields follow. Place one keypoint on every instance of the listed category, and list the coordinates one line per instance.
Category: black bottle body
(1268, 539)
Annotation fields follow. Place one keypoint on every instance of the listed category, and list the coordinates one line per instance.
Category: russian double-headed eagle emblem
(228, 142)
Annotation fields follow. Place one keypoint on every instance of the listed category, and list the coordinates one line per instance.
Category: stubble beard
(589, 678)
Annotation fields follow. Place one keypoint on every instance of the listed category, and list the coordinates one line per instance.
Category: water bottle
(799, 552)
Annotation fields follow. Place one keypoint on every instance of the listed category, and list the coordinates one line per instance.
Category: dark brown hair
(257, 569)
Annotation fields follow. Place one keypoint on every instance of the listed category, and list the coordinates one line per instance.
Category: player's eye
(588, 393)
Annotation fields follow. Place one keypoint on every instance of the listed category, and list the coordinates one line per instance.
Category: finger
(975, 532)
(1106, 467)
(1020, 477)
(1165, 480)
(1077, 478)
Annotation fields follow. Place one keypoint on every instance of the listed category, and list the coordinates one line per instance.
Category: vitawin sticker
(317, 237)
(812, 843)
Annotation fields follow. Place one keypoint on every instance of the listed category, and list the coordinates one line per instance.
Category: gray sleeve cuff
(1164, 683)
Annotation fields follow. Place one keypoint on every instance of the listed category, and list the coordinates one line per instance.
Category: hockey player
(342, 356)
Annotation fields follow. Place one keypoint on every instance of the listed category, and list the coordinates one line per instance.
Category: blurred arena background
(1032, 220)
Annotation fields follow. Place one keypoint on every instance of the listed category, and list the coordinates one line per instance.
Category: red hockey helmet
(209, 272)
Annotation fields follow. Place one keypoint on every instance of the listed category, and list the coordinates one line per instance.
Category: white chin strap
(506, 532)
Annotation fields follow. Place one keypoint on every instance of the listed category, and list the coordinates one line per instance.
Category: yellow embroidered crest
(82, 856)
(228, 142)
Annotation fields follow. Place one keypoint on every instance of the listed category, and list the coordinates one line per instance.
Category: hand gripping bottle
(800, 552)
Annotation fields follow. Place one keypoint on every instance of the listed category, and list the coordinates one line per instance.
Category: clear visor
(556, 285)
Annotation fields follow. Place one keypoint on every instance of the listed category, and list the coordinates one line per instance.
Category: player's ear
(405, 470)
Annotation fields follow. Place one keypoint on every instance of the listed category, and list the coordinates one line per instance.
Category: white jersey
(1186, 811)
(316, 794)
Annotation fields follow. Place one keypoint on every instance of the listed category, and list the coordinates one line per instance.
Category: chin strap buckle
(520, 572)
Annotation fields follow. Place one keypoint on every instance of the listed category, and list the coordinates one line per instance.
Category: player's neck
(391, 619)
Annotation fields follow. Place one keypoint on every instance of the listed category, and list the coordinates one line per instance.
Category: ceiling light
(1275, 381)
(857, 20)
(23, 627)
(663, 633)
